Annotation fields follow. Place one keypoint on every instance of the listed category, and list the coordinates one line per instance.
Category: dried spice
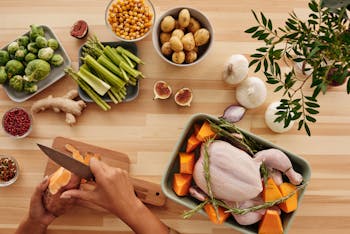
(16, 122)
(8, 169)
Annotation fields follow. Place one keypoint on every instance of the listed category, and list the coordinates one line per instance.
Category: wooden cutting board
(112, 158)
(148, 192)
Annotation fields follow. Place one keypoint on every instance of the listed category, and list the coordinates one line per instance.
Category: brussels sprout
(41, 42)
(4, 57)
(56, 60)
(32, 47)
(20, 54)
(14, 67)
(37, 70)
(29, 57)
(13, 47)
(3, 75)
(16, 83)
(23, 41)
(52, 43)
(30, 87)
(45, 53)
(36, 31)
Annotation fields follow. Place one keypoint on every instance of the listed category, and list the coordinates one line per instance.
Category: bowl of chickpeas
(182, 36)
(130, 20)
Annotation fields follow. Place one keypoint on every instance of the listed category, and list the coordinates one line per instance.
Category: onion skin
(234, 113)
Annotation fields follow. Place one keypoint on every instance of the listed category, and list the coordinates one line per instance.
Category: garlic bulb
(251, 93)
(270, 119)
(236, 69)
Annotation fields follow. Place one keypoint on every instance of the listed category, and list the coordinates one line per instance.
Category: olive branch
(322, 42)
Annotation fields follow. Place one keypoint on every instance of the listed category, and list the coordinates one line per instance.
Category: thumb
(79, 194)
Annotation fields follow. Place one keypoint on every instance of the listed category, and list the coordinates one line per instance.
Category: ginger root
(65, 103)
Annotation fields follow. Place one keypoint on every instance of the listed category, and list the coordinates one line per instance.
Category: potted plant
(321, 43)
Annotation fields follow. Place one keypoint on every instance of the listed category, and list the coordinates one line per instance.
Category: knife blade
(69, 163)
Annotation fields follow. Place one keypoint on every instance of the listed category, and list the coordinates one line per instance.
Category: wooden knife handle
(148, 192)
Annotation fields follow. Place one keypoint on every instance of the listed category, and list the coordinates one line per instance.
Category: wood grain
(147, 130)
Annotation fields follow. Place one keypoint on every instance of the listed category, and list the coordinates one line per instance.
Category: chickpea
(126, 16)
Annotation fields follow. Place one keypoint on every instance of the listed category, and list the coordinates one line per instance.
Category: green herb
(230, 133)
(322, 43)
(262, 206)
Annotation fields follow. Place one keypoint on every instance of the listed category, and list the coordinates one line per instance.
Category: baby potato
(166, 49)
(164, 37)
(201, 37)
(177, 33)
(178, 57)
(167, 24)
(188, 42)
(184, 18)
(176, 44)
(190, 56)
(193, 25)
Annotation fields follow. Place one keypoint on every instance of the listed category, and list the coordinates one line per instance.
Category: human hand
(115, 193)
(37, 211)
(113, 190)
(38, 217)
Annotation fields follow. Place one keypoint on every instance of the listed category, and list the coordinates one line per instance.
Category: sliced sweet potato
(192, 143)
(182, 183)
(187, 161)
(271, 191)
(205, 132)
(271, 223)
(291, 203)
(60, 181)
(210, 210)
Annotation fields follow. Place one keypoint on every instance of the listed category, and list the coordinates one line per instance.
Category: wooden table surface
(147, 129)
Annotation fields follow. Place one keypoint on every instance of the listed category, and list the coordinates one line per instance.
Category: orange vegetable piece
(186, 162)
(271, 223)
(75, 152)
(182, 183)
(196, 129)
(205, 132)
(59, 179)
(210, 210)
(271, 191)
(89, 155)
(292, 203)
(192, 143)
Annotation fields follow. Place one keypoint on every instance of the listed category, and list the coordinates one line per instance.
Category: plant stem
(262, 206)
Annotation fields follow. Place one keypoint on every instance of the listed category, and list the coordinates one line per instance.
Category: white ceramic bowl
(203, 20)
(12, 180)
(152, 12)
(18, 123)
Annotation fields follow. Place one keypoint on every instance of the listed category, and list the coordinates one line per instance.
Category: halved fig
(80, 29)
(183, 97)
(161, 90)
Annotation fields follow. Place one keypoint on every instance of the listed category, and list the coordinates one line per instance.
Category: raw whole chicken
(234, 175)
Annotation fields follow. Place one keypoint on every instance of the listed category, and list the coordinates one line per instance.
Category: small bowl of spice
(8, 170)
(17, 122)
(130, 20)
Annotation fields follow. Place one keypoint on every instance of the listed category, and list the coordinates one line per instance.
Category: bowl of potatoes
(182, 36)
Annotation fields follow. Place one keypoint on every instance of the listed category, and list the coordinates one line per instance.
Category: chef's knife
(146, 191)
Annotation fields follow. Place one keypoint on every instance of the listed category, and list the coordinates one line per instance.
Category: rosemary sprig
(206, 167)
(233, 135)
(262, 206)
(188, 214)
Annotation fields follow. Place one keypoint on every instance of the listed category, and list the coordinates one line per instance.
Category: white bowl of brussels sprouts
(31, 63)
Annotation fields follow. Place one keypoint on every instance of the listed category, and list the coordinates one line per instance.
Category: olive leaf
(322, 42)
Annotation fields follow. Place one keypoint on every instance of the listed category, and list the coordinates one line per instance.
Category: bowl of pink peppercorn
(17, 122)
